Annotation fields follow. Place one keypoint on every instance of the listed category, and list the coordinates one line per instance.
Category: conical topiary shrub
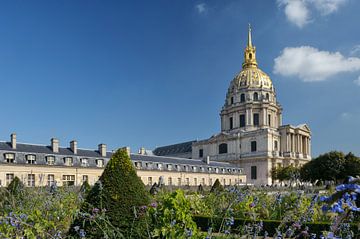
(217, 187)
(120, 192)
(16, 187)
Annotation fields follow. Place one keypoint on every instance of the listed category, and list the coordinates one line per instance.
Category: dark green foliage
(287, 173)
(16, 187)
(217, 187)
(120, 192)
(85, 188)
(332, 166)
(200, 189)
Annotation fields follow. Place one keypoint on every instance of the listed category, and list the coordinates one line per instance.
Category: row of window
(186, 168)
(223, 148)
(68, 180)
(50, 160)
(178, 181)
(256, 121)
(255, 97)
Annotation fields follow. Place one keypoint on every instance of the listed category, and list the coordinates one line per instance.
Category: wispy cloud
(310, 64)
(355, 50)
(299, 12)
(357, 81)
(201, 8)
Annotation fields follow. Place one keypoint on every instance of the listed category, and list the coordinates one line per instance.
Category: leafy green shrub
(172, 217)
(119, 192)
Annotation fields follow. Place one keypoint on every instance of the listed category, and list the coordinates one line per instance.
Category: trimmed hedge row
(204, 223)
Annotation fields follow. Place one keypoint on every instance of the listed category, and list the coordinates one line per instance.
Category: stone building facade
(42, 165)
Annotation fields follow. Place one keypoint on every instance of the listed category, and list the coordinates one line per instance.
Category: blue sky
(151, 73)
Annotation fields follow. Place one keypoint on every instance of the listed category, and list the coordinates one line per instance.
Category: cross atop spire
(250, 52)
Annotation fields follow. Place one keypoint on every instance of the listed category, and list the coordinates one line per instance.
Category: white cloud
(201, 8)
(355, 50)
(357, 81)
(327, 6)
(296, 11)
(299, 12)
(311, 64)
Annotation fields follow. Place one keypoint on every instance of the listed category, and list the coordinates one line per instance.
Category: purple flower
(154, 204)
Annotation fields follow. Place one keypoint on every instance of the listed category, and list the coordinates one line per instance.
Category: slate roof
(180, 161)
(180, 148)
(45, 149)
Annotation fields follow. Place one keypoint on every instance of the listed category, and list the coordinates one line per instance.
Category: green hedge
(268, 225)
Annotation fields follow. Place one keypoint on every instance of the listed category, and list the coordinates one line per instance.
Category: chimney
(142, 151)
(102, 150)
(55, 145)
(128, 150)
(73, 146)
(207, 160)
(13, 140)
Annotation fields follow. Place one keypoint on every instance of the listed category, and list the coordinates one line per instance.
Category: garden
(120, 206)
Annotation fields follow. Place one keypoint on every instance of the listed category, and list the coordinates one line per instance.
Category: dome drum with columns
(252, 134)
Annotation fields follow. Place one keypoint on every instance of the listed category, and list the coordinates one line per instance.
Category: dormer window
(30, 159)
(137, 165)
(9, 157)
(50, 160)
(84, 162)
(169, 167)
(68, 161)
(100, 163)
(194, 168)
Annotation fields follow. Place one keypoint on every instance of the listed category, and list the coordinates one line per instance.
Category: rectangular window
(9, 178)
(85, 178)
(179, 181)
(69, 180)
(31, 159)
(203, 182)
(210, 181)
(68, 161)
(50, 179)
(31, 180)
(242, 120)
(231, 122)
(50, 160)
(169, 181)
(84, 162)
(253, 146)
(232, 100)
(9, 157)
(269, 120)
(100, 163)
(195, 181)
(201, 153)
(187, 181)
(150, 181)
(253, 172)
(256, 119)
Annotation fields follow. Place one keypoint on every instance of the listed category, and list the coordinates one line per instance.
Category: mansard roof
(45, 149)
(180, 161)
(185, 147)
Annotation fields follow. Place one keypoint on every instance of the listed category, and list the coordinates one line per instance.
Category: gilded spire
(250, 53)
(249, 37)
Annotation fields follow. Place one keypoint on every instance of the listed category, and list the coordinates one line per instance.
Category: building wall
(41, 173)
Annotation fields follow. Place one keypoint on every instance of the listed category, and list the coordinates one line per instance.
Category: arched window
(256, 96)
(242, 98)
(232, 100)
(267, 96)
(223, 149)
(250, 56)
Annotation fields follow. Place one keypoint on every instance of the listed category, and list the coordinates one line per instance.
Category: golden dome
(251, 76)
